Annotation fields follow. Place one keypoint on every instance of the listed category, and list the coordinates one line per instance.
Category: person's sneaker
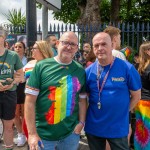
(21, 140)
(16, 140)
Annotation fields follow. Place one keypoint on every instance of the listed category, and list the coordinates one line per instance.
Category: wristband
(83, 123)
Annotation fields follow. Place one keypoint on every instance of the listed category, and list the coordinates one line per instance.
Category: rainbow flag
(28, 72)
(126, 51)
(63, 99)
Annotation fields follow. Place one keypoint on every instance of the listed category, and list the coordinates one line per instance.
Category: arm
(30, 102)
(18, 76)
(82, 114)
(135, 97)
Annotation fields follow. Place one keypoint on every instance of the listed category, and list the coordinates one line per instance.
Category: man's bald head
(102, 34)
(69, 34)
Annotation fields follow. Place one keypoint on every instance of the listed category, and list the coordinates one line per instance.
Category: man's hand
(33, 142)
(18, 77)
(78, 128)
(6, 84)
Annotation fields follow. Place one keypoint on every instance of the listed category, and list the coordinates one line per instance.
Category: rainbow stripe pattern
(142, 131)
(63, 99)
(126, 51)
(28, 72)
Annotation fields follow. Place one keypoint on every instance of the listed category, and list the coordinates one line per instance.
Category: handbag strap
(3, 61)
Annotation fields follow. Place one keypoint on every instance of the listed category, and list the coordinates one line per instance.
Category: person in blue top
(114, 88)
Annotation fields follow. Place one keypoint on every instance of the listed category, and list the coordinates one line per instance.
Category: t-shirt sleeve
(33, 84)
(134, 80)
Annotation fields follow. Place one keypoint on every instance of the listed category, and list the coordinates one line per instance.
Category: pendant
(99, 105)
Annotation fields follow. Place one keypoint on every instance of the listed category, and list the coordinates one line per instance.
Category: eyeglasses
(66, 43)
(34, 48)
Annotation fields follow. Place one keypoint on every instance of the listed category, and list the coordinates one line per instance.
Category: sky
(17, 4)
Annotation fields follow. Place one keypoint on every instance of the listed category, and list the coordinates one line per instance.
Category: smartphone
(7, 82)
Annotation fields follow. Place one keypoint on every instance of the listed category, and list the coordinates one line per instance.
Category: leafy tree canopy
(130, 10)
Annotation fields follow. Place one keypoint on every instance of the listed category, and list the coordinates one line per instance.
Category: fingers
(2, 88)
(34, 147)
(78, 129)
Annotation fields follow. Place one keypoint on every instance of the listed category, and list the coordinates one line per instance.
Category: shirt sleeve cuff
(31, 91)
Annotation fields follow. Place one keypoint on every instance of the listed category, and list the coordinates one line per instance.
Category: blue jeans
(70, 142)
(98, 143)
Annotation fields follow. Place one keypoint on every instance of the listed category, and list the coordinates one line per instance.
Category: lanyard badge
(100, 88)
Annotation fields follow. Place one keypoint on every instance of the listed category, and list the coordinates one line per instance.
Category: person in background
(90, 58)
(136, 60)
(86, 47)
(9, 62)
(56, 88)
(51, 39)
(116, 41)
(86, 50)
(19, 47)
(40, 50)
(114, 88)
(142, 110)
(6, 45)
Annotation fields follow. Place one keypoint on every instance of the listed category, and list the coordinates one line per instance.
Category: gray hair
(3, 31)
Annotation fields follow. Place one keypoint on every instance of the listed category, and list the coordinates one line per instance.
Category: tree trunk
(90, 13)
(114, 14)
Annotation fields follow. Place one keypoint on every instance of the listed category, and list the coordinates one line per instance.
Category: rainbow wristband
(83, 123)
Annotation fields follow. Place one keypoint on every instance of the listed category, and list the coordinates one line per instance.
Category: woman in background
(19, 47)
(40, 50)
(142, 110)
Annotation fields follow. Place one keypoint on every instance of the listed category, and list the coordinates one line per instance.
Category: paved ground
(83, 146)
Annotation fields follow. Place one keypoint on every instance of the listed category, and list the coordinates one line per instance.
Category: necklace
(100, 88)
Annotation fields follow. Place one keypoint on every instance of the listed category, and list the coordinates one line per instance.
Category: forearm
(135, 97)
(18, 76)
(30, 113)
(82, 109)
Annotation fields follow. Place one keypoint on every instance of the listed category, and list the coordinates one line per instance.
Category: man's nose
(69, 46)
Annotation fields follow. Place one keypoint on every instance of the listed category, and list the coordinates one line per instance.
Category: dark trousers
(98, 143)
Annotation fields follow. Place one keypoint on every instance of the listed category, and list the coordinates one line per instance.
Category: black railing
(132, 34)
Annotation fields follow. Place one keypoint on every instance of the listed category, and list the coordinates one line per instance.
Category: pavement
(82, 145)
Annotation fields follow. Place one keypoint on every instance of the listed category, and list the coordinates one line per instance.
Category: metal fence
(132, 34)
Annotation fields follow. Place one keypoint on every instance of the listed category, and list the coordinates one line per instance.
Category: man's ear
(57, 42)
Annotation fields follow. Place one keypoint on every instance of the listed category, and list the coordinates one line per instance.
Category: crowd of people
(52, 98)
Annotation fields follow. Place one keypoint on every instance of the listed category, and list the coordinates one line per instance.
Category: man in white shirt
(116, 41)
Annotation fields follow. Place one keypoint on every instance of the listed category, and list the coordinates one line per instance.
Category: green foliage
(139, 11)
(70, 11)
(105, 10)
(38, 5)
(15, 17)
